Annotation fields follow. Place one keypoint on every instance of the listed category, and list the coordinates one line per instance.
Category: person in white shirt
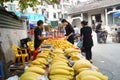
(77, 32)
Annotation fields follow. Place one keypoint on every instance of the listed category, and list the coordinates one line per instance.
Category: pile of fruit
(37, 67)
(72, 52)
(59, 68)
(83, 69)
(82, 65)
(58, 61)
(91, 75)
(59, 43)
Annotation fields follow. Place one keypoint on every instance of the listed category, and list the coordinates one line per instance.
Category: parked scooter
(104, 35)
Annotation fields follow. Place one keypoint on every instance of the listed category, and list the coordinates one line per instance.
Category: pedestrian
(69, 31)
(77, 32)
(93, 25)
(98, 31)
(38, 39)
(86, 35)
(76, 29)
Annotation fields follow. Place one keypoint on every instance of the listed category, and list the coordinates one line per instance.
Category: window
(47, 14)
(36, 10)
(11, 7)
(59, 15)
(54, 15)
(118, 7)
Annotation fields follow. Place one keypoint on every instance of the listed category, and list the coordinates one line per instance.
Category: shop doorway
(96, 17)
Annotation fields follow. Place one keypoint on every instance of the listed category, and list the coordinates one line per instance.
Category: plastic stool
(1, 70)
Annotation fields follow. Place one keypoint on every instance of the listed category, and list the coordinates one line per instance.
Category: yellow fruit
(58, 51)
(37, 70)
(75, 57)
(31, 65)
(41, 66)
(82, 69)
(29, 76)
(90, 78)
(59, 43)
(61, 56)
(71, 50)
(41, 55)
(59, 79)
(35, 62)
(92, 73)
(60, 71)
(73, 53)
(59, 63)
(42, 60)
(61, 59)
(82, 64)
(54, 61)
(61, 76)
(77, 77)
(61, 67)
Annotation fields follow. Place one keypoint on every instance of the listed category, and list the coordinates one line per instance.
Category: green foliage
(23, 4)
(26, 3)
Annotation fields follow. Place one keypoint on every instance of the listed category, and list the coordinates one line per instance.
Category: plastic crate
(1, 70)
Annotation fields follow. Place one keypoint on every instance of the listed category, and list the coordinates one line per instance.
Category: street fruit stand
(61, 61)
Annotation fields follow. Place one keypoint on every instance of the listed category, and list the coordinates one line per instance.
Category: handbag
(80, 44)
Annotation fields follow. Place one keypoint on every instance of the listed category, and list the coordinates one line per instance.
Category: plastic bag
(80, 44)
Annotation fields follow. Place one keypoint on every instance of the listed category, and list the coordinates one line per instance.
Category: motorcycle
(103, 36)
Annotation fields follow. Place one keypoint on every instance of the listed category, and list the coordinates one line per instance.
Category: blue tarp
(32, 17)
(35, 17)
(117, 14)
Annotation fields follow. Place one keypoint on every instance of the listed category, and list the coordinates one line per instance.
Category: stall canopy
(117, 14)
(35, 17)
(32, 17)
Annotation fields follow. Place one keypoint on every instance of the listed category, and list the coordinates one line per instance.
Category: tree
(23, 4)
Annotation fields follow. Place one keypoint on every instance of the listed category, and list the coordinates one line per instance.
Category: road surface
(107, 58)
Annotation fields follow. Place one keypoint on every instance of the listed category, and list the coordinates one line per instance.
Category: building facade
(51, 12)
(97, 10)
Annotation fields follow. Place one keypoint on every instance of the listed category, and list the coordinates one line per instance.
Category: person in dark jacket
(86, 35)
(69, 31)
(38, 38)
(98, 31)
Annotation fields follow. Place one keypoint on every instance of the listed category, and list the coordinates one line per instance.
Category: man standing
(98, 31)
(38, 39)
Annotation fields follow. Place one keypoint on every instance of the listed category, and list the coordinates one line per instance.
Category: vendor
(69, 31)
(38, 39)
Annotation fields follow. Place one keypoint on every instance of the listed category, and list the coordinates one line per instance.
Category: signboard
(54, 23)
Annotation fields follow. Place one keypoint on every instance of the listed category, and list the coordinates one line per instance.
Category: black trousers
(88, 53)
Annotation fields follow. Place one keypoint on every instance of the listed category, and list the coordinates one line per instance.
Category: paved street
(107, 58)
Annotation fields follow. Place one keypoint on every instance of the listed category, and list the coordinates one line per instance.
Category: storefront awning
(32, 17)
(117, 14)
(35, 17)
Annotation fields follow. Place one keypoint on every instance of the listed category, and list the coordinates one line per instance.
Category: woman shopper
(86, 35)
(69, 31)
